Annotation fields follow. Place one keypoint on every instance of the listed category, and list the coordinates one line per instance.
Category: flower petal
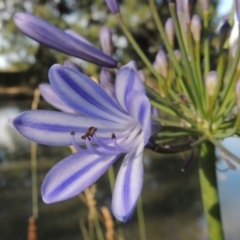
(84, 95)
(54, 128)
(105, 76)
(53, 37)
(50, 96)
(113, 6)
(105, 37)
(139, 108)
(127, 80)
(128, 186)
(73, 175)
(77, 36)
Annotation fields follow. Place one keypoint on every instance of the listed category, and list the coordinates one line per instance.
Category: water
(171, 199)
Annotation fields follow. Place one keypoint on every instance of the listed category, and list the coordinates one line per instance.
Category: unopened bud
(238, 9)
(178, 54)
(211, 81)
(113, 6)
(169, 29)
(105, 37)
(161, 63)
(196, 27)
(180, 6)
(204, 5)
(105, 76)
(238, 93)
(186, 6)
(224, 33)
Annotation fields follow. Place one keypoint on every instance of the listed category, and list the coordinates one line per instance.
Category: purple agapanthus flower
(68, 41)
(108, 128)
(113, 6)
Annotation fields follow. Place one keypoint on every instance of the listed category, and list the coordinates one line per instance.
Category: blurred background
(171, 198)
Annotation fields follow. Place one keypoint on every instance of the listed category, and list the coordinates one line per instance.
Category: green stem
(165, 121)
(208, 182)
(206, 43)
(141, 222)
(138, 49)
(163, 35)
(182, 129)
(34, 179)
(179, 148)
(111, 177)
(187, 84)
(172, 134)
(97, 226)
(198, 64)
(163, 108)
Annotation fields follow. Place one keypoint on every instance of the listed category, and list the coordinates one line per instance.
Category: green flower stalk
(201, 79)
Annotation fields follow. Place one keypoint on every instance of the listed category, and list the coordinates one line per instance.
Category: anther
(92, 130)
(89, 133)
(113, 136)
(74, 143)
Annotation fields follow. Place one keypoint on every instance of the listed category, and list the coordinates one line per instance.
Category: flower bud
(178, 54)
(169, 29)
(204, 5)
(113, 6)
(238, 9)
(211, 81)
(186, 9)
(238, 93)
(180, 6)
(105, 37)
(65, 42)
(105, 76)
(161, 63)
(224, 33)
(196, 27)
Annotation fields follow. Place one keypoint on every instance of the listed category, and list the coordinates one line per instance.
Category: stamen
(95, 151)
(133, 135)
(89, 133)
(102, 144)
(92, 130)
(116, 144)
(74, 143)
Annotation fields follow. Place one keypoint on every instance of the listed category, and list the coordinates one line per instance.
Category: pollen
(89, 133)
